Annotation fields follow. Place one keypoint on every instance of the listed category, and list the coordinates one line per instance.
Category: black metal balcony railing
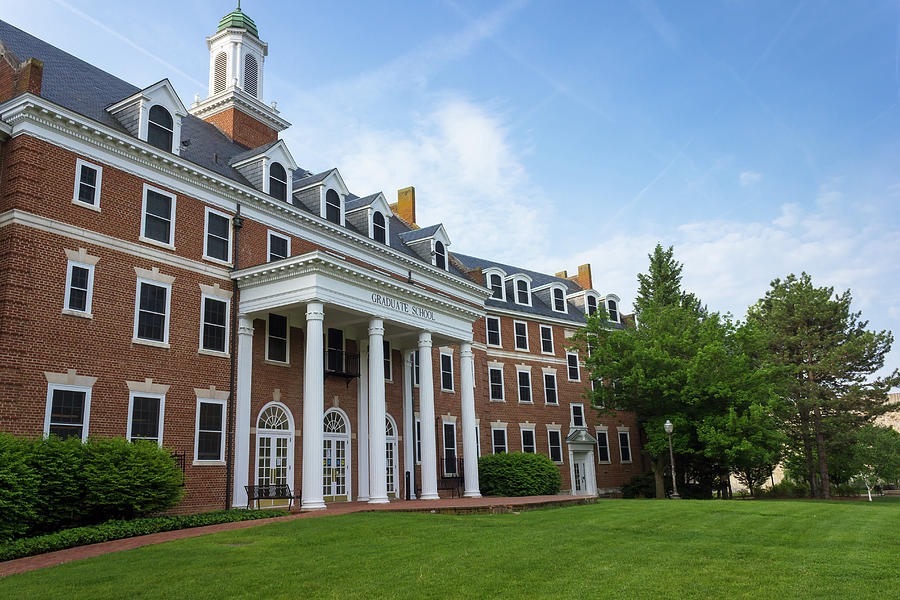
(341, 364)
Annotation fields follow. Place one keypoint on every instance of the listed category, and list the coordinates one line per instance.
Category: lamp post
(669, 429)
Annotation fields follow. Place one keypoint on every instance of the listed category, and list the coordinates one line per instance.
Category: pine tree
(661, 285)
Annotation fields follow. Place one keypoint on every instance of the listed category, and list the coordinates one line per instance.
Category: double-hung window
(209, 443)
(495, 282)
(524, 380)
(498, 440)
(520, 328)
(277, 181)
(333, 207)
(279, 246)
(554, 439)
(550, 396)
(577, 415)
(613, 310)
(68, 411)
(379, 227)
(546, 339)
(214, 329)
(277, 338)
(158, 222)
(572, 366)
(218, 236)
(151, 319)
(602, 446)
(418, 440)
(416, 368)
(87, 184)
(559, 300)
(493, 331)
(523, 294)
(495, 374)
(145, 417)
(450, 468)
(446, 372)
(160, 128)
(79, 288)
(591, 305)
(528, 445)
(625, 446)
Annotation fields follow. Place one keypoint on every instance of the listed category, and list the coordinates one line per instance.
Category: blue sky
(760, 138)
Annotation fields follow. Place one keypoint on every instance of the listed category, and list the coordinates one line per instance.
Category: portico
(340, 304)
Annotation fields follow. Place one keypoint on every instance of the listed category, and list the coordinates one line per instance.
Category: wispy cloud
(749, 178)
(658, 22)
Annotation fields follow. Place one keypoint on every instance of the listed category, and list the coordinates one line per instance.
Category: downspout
(237, 222)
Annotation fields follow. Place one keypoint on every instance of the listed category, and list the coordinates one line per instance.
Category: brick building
(154, 257)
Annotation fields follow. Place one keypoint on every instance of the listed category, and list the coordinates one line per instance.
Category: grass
(615, 548)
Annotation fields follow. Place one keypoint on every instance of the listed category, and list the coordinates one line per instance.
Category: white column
(242, 410)
(409, 424)
(363, 421)
(377, 448)
(426, 408)
(467, 400)
(313, 408)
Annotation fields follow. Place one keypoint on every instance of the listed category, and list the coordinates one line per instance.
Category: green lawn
(616, 548)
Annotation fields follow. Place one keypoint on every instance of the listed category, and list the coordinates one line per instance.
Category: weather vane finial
(239, 4)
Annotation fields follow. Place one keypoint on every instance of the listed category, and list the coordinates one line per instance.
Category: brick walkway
(447, 506)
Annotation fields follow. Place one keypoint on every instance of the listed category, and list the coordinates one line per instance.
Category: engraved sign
(403, 307)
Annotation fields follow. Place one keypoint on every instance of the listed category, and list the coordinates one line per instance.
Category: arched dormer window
(495, 282)
(277, 181)
(440, 256)
(160, 128)
(613, 310)
(379, 228)
(523, 292)
(333, 207)
(591, 304)
(251, 74)
(559, 300)
(220, 73)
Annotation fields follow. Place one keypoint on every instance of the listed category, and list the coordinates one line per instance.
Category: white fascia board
(494, 311)
(62, 127)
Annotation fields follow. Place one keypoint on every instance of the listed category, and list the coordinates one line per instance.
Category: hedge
(117, 530)
(517, 474)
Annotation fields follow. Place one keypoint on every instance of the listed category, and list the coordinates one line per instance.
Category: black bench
(269, 492)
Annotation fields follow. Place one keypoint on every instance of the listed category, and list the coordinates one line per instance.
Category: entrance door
(274, 455)
(335, 457)
(579, 485)
(390, 433)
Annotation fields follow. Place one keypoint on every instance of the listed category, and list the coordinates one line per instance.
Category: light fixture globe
(668, 426)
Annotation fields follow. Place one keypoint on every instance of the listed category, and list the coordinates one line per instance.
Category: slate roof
(353, 202)
(418, 234)
(251, 153)
(304, 178)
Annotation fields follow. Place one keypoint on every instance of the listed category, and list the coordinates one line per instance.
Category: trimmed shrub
(123, 479)
(642, 485)
(517, 474)
(18, 483)
(117, 530)
(59, 498)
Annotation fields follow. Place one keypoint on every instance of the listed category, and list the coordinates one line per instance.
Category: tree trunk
(822, 454)
(808, 455)
(659, 476)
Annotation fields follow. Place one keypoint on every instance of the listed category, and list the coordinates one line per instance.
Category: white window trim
(572, 415)
(603, 431)
(441, 371)
(522, 431)
(502, 277)
(449, 420)
(520, 370)
(487, 319)
(269, 237)
(502, 398)
(137, 310)
(389, 359)
(417, 440)
(596, 298)
(224, 404)
(562, 290)
(577, 365)
(552, 345)
(505, 439)
(72, 388)
(618, 318)
(206, 255)
(75, 199)
(201, 350)
(415, 368)
(544, 376)
(387, 226)
(89, 300)
(287, 342)
(171, 243)
(267, 181)
(324, 205)
(515, 340)
(515, 290)
(162, 412)
(619, 440)
(558, 431)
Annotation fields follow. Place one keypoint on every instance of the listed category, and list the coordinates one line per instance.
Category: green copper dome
(238, 19)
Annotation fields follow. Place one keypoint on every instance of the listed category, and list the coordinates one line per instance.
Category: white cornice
(234, 97)
(493, 310)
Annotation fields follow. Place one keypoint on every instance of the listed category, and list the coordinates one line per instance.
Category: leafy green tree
(827, 358)
(876, 456)
(661, 285)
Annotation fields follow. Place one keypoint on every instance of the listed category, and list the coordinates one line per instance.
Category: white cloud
(749, 178)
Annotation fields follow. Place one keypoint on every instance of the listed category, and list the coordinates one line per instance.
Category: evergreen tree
(662, 283)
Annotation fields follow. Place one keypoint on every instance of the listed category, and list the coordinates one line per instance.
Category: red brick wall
(243, 128)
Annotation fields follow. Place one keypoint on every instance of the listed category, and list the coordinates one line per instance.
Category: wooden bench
(269, 492)
(454, 484)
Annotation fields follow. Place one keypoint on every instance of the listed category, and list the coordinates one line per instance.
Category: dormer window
(591, 303)
(440, 256)
(613, 310)
(277, 181)
(495, 282)
(333, 207)
(523, 294)
(559, 300)
(160, 128)
(379, 228)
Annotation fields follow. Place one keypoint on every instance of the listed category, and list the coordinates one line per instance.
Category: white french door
(273, 464)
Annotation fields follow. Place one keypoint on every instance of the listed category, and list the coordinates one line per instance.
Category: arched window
(495, 282)
(334, 422)
(612, 310)
(277, 181)
(522, 294)
(333, 207)
(273, 418)
(220, 73)
(379, 230)
(559, 300)
(159, 129)
(591, 305)
(250, 75)
(440, 256)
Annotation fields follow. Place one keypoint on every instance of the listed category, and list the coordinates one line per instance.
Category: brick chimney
(405, 207)
(583, 279)
(18, 77)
